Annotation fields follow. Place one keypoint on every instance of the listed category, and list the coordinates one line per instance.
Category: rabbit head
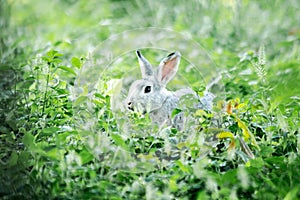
(149, 94)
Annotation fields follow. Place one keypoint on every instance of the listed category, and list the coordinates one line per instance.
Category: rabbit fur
(149, 94)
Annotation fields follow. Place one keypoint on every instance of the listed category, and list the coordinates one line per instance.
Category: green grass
(65, 65)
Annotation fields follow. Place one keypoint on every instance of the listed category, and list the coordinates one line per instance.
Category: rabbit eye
(147, 89)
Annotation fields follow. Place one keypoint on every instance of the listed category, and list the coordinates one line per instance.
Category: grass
(66, 65)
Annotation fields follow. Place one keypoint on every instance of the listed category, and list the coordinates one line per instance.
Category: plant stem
(46, 91)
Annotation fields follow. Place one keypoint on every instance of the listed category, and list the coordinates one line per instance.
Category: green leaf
(119, 141)
(76, 62)
(53, 54)
(292, 194)
(277, 161)
(224, 134)
(173, 185)
(54, 153)
(67, 69)
(13, 159)
(28, 140)
(282, 121)
(229, 177)
(176, 111)
(85, 156)
(50, 130)
(246, 132)
(202, 195)
(257, 163)
(266, 151)
(184, 168)
(80, 100)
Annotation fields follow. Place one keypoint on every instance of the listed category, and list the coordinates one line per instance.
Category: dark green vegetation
(59, 138)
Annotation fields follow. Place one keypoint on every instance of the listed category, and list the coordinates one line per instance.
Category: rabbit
(149, 94)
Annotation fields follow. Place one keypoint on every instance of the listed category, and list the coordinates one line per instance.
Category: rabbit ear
(146, 67)
(168, 68)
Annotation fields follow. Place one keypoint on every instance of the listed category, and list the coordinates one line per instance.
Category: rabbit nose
(130, 106)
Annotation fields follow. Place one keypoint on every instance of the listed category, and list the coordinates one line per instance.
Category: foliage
(63, 136)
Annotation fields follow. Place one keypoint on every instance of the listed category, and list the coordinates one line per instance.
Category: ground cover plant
(66, 67)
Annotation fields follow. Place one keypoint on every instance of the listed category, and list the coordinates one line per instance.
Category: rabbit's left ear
(168, 68)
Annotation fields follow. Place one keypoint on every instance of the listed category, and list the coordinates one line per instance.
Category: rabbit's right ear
(146, 67)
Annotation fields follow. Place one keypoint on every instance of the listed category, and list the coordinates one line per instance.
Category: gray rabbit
(149, 94)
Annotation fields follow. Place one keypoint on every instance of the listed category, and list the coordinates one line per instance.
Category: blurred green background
(226, 25)
(228, 30)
